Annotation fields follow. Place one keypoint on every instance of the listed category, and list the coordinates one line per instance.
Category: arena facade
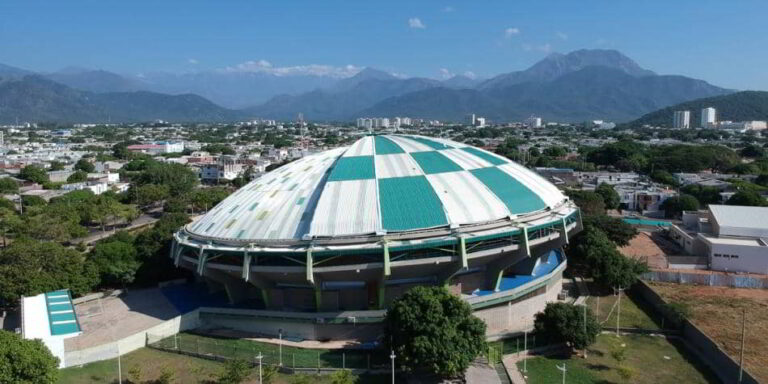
(331, 239)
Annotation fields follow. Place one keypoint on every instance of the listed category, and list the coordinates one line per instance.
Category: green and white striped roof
(379, 184)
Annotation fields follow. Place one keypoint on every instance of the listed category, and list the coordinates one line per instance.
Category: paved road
(141, 221)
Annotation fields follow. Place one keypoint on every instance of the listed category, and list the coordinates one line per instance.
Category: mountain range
(739, 106)
(581, 85)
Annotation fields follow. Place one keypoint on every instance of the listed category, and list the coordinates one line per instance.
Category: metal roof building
(51, 318)
(352, 228)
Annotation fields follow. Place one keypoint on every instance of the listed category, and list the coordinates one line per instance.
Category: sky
(723, 42)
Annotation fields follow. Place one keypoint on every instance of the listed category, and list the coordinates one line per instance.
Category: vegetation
(610, 197)
(565, 323)
(674, 206)
(430, 329)
(748, 198)
(34, 174)
(739, 106)
(26, 361)
(8, 186)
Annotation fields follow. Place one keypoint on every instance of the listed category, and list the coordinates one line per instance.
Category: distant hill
(739, 106)
(97, 81)
(581, 85)
(38, 99)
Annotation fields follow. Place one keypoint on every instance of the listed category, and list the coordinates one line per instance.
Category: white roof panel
(362, 147)
(465, 199)
(736, 220)
(465, 159)
(397, 165)
(540, 186)
(347, 208)
(409, 145)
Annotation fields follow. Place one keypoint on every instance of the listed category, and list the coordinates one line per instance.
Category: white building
(226, 168)
(708, 118)
(533, 122)
(733, 238)
(480, 122)
(682, 119)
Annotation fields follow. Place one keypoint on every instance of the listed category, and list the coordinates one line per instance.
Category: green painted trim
(382, 294)
(524, 241)
(310, 271)
(318, 298)
(463, 252)
(387, 266)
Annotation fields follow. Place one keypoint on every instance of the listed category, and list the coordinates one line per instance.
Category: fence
(711, 279)
(292, 358)
(723, 365)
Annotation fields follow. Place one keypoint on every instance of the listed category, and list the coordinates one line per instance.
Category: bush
(564, 322)
(26, 361)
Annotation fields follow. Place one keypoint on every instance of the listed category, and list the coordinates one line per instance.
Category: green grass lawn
(186, 370)
(634, 311)
(292, 356)
(647, 360)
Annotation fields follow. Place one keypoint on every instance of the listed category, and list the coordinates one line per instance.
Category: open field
(635, 313)
(186, 370)
(647, 360)
(717, 311)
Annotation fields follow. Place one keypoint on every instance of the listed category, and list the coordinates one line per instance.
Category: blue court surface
(188, 297)
(553, 260)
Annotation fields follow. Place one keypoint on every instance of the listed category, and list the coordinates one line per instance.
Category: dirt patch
(646, 246)
(718, 312)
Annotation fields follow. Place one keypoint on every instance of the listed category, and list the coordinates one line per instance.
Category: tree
(85, 166)
(604, 262)
(563, 322)
(429, 328)
(611, 198)
(675, 205)
(752, 151)
(26, 361)
(56, 166)
(235, 372)
(77, 177)
(589, 202)
(117, 262)
(664, 177)
(705, 195)
(343, 376)
(34, 174)
(8, 186)
(617, 230)
(148, 194)
(747, 198)
(29, 267)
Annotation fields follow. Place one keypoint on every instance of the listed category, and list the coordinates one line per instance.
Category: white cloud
(470, 74)
(445, 73)
(546, 48)
(415, 22)
(265, 66)
(448, 9)
(192, 61)
(562, 36)
(511, 32)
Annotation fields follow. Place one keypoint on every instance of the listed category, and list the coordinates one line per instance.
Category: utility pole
(260, 356)
(743, 339)
(280, 335)
(618, 312)
(525, 349)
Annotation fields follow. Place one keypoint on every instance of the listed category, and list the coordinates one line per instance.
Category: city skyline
(428, 39)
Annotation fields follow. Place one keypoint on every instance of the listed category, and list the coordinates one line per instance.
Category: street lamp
(563, 369)
(392, 357)
(260, 356)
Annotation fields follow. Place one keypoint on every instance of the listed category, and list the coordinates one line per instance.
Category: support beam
(318, 297)
(310, 270)
(463, 252)
(497, 284)
(387, 267)
(177, 254)
(524, 245)
(565, 230)
(246, 265)
(265, 296)
(201, 259)
(173, 249)
(382, 294)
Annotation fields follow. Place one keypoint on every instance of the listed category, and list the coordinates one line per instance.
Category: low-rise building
(732, 238)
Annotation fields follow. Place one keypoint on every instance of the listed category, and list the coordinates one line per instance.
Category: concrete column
(246, 265)
(565, 230)
(387, 268)
(310, 270)
(201, 259)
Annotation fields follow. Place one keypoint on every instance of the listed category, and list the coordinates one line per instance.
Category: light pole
(392, 357)
(618, 312)
(280, 344)
(260, 356)
(743, 337)
(563, 369)
(525, 350)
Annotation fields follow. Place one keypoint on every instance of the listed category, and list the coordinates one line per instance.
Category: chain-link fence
(222, 349)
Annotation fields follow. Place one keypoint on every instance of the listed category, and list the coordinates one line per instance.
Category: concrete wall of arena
(294, 330)
(133, 342)
(517, 316)
(726, 368)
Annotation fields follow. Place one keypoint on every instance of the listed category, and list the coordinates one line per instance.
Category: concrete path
(481, 374)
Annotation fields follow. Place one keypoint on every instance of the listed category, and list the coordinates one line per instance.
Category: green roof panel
(434, 162)
(409, 203)
(353, 168)
(485, 156)
(61, 313)
(517, 197)
(386, 146)
(430, 143)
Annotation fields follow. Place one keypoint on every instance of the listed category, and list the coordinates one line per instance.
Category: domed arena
(332, 238)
